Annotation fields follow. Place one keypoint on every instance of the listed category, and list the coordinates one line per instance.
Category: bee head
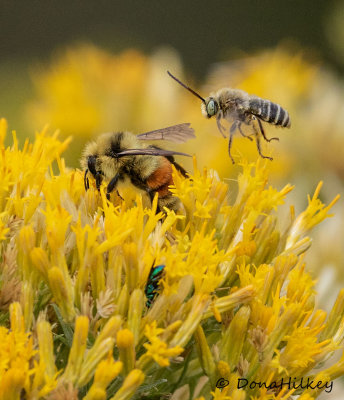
(91, 167)
(210, 107)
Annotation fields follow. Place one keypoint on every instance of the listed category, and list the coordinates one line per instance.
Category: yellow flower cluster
(87, 90)
(21, 372)
(235, 301)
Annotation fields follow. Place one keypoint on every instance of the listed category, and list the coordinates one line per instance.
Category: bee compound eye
(211, 108)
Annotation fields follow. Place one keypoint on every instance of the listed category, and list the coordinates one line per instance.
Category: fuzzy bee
(120, 156)
(239, 107)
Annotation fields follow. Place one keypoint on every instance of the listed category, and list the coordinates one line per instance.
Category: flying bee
(239, 107)
(123, 155)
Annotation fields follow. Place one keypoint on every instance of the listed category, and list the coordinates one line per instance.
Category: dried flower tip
(243, 366)
(105, 303)
(259, 339)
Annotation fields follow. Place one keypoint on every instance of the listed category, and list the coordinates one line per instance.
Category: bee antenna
(186, 87)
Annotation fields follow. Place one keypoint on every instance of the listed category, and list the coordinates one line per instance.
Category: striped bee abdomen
(269, 112)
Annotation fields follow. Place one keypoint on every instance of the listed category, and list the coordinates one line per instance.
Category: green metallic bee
(152, 286)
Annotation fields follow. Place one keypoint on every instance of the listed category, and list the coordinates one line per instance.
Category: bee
(239, 107)
(152, 286)
(120, 156)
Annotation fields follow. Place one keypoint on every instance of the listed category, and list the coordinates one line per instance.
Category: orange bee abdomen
(161, 178)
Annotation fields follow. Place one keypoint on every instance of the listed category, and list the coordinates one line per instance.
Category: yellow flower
(107, 370)
(27, 238)
(57, 222)
(234, 337)
(62, 292)
(18, 369)
(103, 344)
(125, 344)
(3, 228)
(315, 213)
(3, 130)
(80, 264)
(157, 349)
(76, 355)
(206, 360)
(202, 211)
(130, 385)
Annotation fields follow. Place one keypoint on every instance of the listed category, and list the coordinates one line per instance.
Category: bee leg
(180, 169)
(263, 132)
(231, 134)
(117, 192)
(98, 178)
(242, 133)
(177, 166)
(258, 144)
(111, 186)
(86, 181)
(219, 125)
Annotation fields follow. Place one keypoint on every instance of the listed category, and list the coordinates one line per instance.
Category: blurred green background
(202, 32)
(87, 67)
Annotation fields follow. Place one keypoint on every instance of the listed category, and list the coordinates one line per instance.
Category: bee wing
(176, 133)
(150, 152)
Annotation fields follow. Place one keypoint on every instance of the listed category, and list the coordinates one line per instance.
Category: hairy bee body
(105, 148)
(241, 108)
(235, 103)
(105, 158)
